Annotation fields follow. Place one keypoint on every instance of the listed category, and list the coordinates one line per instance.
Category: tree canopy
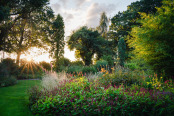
(23, 25)
(87, 42)
(57, 40)
(153, 41)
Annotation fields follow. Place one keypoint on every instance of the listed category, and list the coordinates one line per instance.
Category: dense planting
(91, 96)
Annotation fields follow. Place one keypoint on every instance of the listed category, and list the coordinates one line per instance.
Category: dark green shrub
(7, 81)
(89, 69)
(122, 76)
(109, 59)
(77, 63)
(74, 69)
(101, 64)
(45, 65)
(8, 67)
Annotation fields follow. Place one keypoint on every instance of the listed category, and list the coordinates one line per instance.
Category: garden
(123, 66)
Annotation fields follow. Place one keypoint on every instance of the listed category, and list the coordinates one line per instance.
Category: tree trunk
(18, 57)
(20, 41)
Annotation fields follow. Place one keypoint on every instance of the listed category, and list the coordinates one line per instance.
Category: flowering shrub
(82, 96)
(153, 82)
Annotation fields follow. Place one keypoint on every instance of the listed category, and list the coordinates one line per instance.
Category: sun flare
(36, 55)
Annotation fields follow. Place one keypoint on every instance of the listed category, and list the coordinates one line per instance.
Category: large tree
(103, 26)
(154, 41)
(57, 40)
(25, 26)
(122, 23)
(87, 42)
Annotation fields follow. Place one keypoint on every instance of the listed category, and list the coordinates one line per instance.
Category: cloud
(94, 13)
(80, 2)
(56, 8)
(64, 2)
(69, 17)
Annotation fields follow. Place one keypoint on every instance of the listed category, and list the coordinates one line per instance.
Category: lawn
(14, 99)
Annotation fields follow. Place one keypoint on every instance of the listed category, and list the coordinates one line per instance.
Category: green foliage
(123, 76)
(57, 40)
(45, 65)
(74, 69)
(124, 21)
(89, 69)
(8, 67)
(7, 81)
(77, 63)
(109, 59)
(153, 41)
(101, 64)
(87, 42)
(81, 69)
(138, 64)
(121, 51)
(25, 25)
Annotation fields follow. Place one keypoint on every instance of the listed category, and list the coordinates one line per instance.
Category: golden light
(36, 55)
(29, 59)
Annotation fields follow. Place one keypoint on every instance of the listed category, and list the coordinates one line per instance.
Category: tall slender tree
(57, 40)
(103, 26)
(121, 51)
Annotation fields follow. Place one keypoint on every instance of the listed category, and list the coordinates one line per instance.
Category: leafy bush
(7, 81)
(77, 63)
(137, 64)
(8, 67)
(121, 75)
(74, 69)
(45, 65)
(101, 64)
(30, 76)
(89, 69)
(109, 59)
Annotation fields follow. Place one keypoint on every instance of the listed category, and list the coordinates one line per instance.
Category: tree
(123, 22)
(153, 41)
(102, 28)
(121, 51)
(26, 26)
(86, 42)
(57, 40)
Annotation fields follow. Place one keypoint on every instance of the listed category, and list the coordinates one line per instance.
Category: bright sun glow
(39, 55)
(36, 55)
(29, 59)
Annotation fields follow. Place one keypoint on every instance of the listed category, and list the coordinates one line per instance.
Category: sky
(78, 13)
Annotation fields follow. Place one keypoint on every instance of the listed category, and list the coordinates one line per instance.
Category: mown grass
(14, 99)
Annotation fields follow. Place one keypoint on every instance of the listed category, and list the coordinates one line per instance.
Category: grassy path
(14, 99)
